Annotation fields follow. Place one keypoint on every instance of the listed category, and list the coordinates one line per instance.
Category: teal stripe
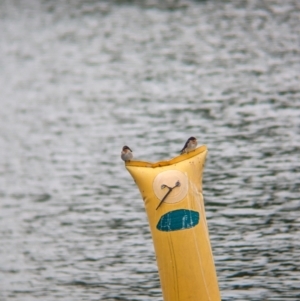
(178, 220)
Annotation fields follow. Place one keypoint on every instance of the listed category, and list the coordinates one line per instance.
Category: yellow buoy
(172, 193)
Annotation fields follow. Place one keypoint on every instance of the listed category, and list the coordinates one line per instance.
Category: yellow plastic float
(172, 193)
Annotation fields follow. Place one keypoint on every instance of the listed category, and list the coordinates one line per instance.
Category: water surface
(80, 80)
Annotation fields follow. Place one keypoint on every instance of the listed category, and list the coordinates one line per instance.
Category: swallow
(126, 154)
(190, 145)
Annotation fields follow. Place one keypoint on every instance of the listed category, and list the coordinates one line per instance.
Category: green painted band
(180, 219)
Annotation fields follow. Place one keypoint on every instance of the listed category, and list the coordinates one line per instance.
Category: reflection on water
(80, 80)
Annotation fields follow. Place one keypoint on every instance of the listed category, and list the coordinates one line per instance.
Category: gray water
(79, 79)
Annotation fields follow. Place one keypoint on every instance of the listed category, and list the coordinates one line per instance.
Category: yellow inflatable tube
(172, 192)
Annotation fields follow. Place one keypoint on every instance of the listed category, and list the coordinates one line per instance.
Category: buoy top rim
(172, 161)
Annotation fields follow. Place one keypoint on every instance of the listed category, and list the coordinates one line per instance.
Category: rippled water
(80, 80)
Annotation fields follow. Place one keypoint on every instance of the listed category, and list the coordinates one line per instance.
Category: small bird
(190, 145)
(126, 154)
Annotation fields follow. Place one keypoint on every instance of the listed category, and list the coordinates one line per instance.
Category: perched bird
(190, 145)
(126, 153)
